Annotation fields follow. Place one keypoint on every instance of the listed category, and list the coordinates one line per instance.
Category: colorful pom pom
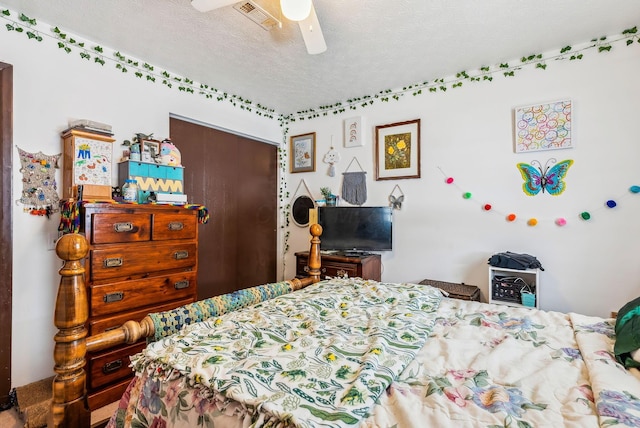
(635, 189)
(449, 180)
(611, 203)
(487, 207)
(585, 215)
(467, 195)
(561, 221)
(511, 217)
(532, 221)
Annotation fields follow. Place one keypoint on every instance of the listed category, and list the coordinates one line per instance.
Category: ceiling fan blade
(207, 5)
(312, 33)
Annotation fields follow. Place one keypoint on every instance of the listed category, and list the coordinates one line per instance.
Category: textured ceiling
(373, 45)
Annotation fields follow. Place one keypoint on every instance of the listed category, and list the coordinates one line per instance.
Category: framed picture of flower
(398, 150)
(303, 153)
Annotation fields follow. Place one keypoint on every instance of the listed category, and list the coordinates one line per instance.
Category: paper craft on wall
(353, 132)
(39, 187)
(549, 179)
(543, 127)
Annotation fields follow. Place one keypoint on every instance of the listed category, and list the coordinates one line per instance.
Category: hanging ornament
(332, 157)
(561, 221)
(611, 203)
(548, 178)
(395, 202)
(511, 217)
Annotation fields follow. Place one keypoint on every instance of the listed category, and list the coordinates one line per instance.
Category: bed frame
(69, 406)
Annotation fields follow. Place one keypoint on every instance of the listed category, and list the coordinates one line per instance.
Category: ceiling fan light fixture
(295, 10)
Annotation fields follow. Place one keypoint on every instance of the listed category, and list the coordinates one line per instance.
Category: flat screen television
(355, 230)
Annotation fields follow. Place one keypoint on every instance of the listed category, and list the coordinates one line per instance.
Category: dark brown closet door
(236, 178)
(6, 251)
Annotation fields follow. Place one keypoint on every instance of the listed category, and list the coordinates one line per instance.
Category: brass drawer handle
(113, 262)
(112, 366)
(123, 227)
(113, 297)
(181, 284)
(179, 255)
(176, 226)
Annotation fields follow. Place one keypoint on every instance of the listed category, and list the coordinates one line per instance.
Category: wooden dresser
(142, 259)
(366, 267)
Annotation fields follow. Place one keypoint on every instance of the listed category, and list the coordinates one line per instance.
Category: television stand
(366, 266)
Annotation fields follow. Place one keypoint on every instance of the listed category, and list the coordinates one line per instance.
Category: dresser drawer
(121, 296)
(111, 366)
(173, 226)
(121, 261)
(110, 228)
(106, 323)
(330, 268)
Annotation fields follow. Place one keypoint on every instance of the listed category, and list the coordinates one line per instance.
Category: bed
(347, 352)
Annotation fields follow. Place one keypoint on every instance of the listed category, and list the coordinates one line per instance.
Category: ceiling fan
(301, 11)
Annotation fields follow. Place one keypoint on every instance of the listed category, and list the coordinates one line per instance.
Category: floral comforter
(365, 354)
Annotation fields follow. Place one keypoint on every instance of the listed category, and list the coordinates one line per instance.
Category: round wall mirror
(300, 210)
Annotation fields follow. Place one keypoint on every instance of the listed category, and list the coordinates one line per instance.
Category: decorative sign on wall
(543, 127)
(39, 187)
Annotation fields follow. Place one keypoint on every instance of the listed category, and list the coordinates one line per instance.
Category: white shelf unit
(504, 295)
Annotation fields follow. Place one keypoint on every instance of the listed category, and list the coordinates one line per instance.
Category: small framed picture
(151, 146)
(303, 153)
(545, 126)
(353, 132)
(398, 150)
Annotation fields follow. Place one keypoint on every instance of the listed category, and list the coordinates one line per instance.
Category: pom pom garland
(560, 221)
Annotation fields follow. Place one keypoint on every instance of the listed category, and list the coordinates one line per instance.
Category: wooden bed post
(68, 407)
(314, 252)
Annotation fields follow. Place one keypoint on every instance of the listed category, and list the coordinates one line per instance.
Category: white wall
(466, 132)
(51, 88)
(590, 266)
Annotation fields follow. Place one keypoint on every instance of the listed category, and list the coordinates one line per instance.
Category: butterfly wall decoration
(395, 202)
(549, 178)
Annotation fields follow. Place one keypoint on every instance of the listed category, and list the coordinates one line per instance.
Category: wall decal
(549, 178)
